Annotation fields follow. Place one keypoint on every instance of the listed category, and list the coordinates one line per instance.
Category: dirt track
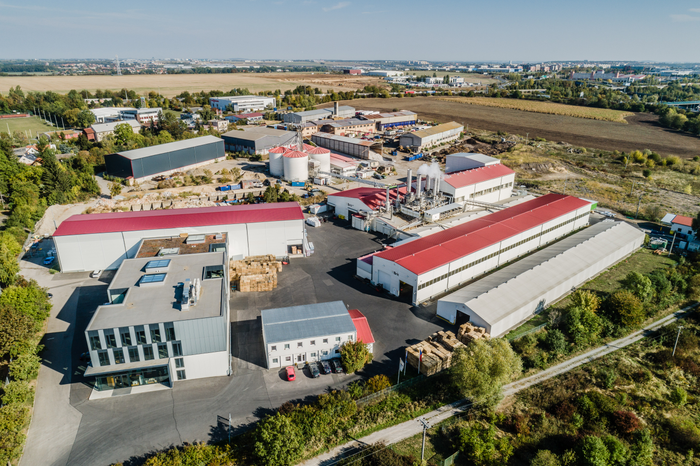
(641, 132)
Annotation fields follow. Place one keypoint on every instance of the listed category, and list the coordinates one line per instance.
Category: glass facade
(95, 341)
(134, 378)
(140, 335)
(162, 351)
(169, 331)
(147, 353)
(125, 336)
(155, 333)
(110, 338)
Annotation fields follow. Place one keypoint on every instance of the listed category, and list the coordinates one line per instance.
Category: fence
(382, 393)
(532, 330)
(449, 461)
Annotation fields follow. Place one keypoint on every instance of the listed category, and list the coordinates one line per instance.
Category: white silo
(296, 166)
(276, 164)
(323, 155)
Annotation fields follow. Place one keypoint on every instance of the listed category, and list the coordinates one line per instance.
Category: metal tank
(323, 156)
(296, 166)
(276, 164)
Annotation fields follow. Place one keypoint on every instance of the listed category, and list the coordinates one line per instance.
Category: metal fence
(532, 330)
(382, 393)
(449, 461)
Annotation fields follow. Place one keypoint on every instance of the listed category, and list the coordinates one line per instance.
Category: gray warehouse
(165, 159)
(298, 118)
(258, 140)
(512, 295)
(351, 146)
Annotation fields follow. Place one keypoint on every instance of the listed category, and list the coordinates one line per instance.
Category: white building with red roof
(680, 224)
(102, 241)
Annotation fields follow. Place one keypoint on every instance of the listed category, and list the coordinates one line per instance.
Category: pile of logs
(255, 273)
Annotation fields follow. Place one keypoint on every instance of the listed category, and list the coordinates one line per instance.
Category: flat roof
(103, 127)
(475, 156)
(431, 252)
(241, 97)
(472, 176)
(307, 321)
(505, 291)
(151, 247)
(371, 197)
(86, 224)
(159, 302)
(345, 122)
(356, 141)
(255, 133)
(168, 147)
(435, 129)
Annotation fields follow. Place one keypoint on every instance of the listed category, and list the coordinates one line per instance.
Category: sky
(438, 30)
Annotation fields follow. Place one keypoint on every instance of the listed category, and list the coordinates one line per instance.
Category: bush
(685, 432)
(25, 367)
(556, 342)
(377, 455)
(354, 355)
(17, 392)
(626, 422)
(639, 285)
(679, 396)
(545, 458)
(279, 441)
(192, 455)
(626, 308)
(378, 383)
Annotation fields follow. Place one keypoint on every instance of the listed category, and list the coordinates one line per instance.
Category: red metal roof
(683, 220)
(477, 175)
(364, 333)
(371, 197)
(249, 115)
(278, 150)
(295, 154)
(318, 150)
(425, 254)
(87, 224)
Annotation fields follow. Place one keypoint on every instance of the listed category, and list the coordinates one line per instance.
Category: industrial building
(384, 73)
(99, 131)
(337, 111)
(166, 319)
(299, 163)
(384, 121)
(512, 295)
(257, 140)
(489, 183)
(109, 114)
(346, 127)
(313, 332)
(432, 265)
(103, 241)
(145, 116)
(242, 103)
(143, 164)
(252, 117)
(360, 148)
(426, 138)
(365, 199)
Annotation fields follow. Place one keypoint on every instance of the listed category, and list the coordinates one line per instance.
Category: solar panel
(158, 264)
(153, 278)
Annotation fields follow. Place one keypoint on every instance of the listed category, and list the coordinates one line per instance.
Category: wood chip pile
(468, 332)
(255, 273)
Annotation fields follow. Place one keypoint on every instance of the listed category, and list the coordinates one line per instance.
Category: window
(140, 335)
(325, 352)
(179, 363)
(349, 337)
(313, 342)
(213, 271)
(133, 354)
(337, 351)
(125, 335)
(110, 339)
(275, 361)
(177, 348)
(162, 351)
(337, 338)
(155, 333)
(286, 346)
(313, 355)
(147, 353)
(152, 278)
(158, 264)
(95, 343)
(288, 358)
(118, 356)
(325, 340)
(181, 375)
(103, 357)
(300, 345)
(169, 331)
(273, 348)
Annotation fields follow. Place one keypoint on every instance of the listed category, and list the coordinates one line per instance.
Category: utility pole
(638, 204)
(670, 250)
(677, 337)
(632, 188)
(426, 426)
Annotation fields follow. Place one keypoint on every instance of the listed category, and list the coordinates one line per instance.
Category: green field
(34, 124)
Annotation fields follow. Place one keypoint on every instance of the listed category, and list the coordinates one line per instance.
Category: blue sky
(534, 30)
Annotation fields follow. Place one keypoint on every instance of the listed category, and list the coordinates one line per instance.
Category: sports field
(173, 84)
(550, 108)
(34, 124)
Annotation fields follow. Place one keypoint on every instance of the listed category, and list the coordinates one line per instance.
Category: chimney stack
(418, 184)
(409, 180)
(335, 108)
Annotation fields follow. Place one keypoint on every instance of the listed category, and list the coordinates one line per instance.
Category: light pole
(676, 343)
(426, 426)
(638, 203)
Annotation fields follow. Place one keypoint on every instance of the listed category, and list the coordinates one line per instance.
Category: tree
(378, 383)
(545, 458)
(585, 299)
(14, 328)
(28, 298)
(593, 452)
(115, 188)
(235, 174)
(278, 441)
(480, 369)
(626, 308)
(480, 445)
(642, 451)
(583, 325)
(619, 453)
(123, 133)
(9, 267)
(640, 285)
(354, 355)
(556, 341)
(250, 198)
(25, 367)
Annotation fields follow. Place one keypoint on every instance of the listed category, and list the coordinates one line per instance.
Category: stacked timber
(468, 333)
(435, 356)
(449, 340)
(255, 273)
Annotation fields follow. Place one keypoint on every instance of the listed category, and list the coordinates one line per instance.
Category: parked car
(313, 369)
(266, 182)
(291, 375)
(326, 367)
(96, 274)
(49, 260)
(337, 366)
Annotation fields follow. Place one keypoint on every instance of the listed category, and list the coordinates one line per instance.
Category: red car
(290, 373)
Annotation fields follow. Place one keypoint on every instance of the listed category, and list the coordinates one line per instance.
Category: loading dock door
(405, 292)
(461, 318)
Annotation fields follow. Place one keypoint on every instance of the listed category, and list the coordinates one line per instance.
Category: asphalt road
(67, 428)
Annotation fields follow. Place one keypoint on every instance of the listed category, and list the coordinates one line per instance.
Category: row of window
(134, 356)
(490, 190)
(312, 343)
(502, 250)
(288, 359)
(126, 338)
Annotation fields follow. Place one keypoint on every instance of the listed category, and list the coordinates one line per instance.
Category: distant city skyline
(447, 30)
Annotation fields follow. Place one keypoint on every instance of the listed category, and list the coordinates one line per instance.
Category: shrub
(278, 441)
(545, 458)
(679, 396)
(626, 308)
(626, 422)
(378, 383)
(17, 392)
(480, 445)
(685, 432)
(377, 455)
(556, 342)
(593, 452)
(646, 173)
(25, 367)
(13, 418)
(639, 285)
(354, 355)
(619, 453)
(192, 455)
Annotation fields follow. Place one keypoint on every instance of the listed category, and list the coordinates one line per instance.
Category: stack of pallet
(255, 273)
(468, 332)
(448, 340)
(435, 356)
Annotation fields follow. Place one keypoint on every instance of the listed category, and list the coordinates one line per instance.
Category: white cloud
(695, 10)
(684, 18)
(337, 6)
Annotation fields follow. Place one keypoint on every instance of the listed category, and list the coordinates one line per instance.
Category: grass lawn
(34, 124)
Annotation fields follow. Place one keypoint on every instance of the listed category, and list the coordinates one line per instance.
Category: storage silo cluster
(294, 165)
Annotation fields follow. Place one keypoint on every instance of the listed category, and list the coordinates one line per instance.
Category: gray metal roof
(308, 321)
(169, 147)
(356, 141)
(498, 295)
(475, 156)
(105, 127)
(253, 134)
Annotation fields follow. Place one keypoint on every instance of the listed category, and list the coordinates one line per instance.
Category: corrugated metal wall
(201, 335)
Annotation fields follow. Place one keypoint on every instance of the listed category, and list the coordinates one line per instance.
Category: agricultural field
(641, 132)
(174, 84)
(550, 108)
(34, 124)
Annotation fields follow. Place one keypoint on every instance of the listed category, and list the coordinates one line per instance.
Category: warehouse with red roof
(102, 241)
(430, 266)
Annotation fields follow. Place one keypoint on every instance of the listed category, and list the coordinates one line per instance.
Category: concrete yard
(121, 428)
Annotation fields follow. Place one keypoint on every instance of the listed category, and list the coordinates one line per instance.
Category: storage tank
(296, 166)
(276, 164)
(323, 155)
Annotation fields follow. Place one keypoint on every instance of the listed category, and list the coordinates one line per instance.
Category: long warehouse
(512, 295)
(103, 241)
(433, 265)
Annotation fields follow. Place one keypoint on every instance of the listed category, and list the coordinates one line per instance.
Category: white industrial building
(102, 241)
(309, 333)
(512, 295)
(102, 130)
(426, 138)
(432, 265)
(337, 111)
(243, 103)
(490, 183)
(384, 73)
(680, 224)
